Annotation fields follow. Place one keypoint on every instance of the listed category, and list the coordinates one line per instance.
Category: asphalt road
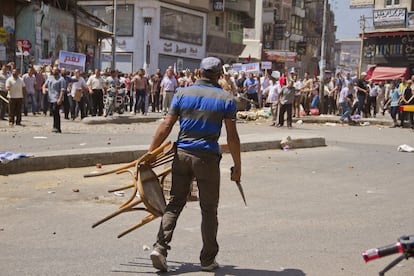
(310, 212)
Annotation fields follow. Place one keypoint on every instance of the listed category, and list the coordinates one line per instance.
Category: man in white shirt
(346, 102)
(77, 95)
(15, 87)
(168, 86)
(272, 92)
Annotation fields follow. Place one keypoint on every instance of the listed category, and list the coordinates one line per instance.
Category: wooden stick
(4, 99)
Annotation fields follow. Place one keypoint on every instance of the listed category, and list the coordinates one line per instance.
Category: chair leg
(117, 212)
(122, 188)
(147, 219)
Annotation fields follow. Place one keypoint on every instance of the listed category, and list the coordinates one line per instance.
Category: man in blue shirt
(55, 87)
(200, 109)
(251, 85)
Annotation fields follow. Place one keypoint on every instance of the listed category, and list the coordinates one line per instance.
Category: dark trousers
(139, 103)
(285, 108)
(155, 101)
(45, 103)
(372, 103)
(3, 105)
(361, 103)
(97, 102)
(331, 105)
(205, 167)
(54, 109)
(15, 110)
(254, 98)
(66, 105)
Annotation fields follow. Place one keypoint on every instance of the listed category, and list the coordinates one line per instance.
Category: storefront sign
(389, 17)
(72, 61)
(181, 49)
(361, 4)
(218, 5)
(280, 56)
(390, 49)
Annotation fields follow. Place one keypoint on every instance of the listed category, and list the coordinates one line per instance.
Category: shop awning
(388, 73)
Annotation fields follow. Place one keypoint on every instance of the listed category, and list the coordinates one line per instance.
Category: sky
(347, 20)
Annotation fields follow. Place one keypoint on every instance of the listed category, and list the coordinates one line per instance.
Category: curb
(125, 154)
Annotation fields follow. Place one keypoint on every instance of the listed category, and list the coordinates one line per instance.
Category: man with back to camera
(201, 109)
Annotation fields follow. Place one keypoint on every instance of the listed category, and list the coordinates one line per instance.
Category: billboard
(361, 4)
(389, 17)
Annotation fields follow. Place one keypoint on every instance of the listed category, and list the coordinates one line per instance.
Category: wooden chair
(146, 183)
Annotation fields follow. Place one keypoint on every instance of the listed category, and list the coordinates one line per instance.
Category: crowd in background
(84, 93)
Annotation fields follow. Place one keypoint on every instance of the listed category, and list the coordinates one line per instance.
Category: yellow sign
(3, 35)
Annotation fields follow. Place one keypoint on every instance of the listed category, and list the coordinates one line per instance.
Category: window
(181, 26)
(124, 17)
(298, 3)
(392, 3)
(297, 25)
(234, 27)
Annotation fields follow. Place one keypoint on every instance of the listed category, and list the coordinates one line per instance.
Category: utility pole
(323, 60)
(114, 37)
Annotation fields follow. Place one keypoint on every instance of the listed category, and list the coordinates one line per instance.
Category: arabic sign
(389, 17)
(248, 67)
(361, 4)
(266, 65)
(398, 49)
(72, 61)
(251, 67)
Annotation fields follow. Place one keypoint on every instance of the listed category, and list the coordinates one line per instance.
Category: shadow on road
(180, 268)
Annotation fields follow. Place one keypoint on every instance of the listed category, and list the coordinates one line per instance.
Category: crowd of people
(83, 93)
(349, 97)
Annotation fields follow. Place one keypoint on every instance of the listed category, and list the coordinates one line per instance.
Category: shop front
(389, 48)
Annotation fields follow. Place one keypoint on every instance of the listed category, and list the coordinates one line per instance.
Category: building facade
(291, 35)
(391, 42)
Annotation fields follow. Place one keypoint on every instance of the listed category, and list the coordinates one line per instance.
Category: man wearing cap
(286, 97)
(201, 110)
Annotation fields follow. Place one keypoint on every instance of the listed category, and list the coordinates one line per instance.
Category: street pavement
(310, 212)
(120, 139)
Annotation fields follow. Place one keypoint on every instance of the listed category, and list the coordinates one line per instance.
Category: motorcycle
(114, 101)
(404, 245)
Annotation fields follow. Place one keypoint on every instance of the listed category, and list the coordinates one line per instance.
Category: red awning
(388, 73)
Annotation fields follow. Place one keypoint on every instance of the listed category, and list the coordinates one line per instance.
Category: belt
(170, 91)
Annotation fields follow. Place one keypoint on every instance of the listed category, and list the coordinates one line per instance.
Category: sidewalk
(123, 138)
